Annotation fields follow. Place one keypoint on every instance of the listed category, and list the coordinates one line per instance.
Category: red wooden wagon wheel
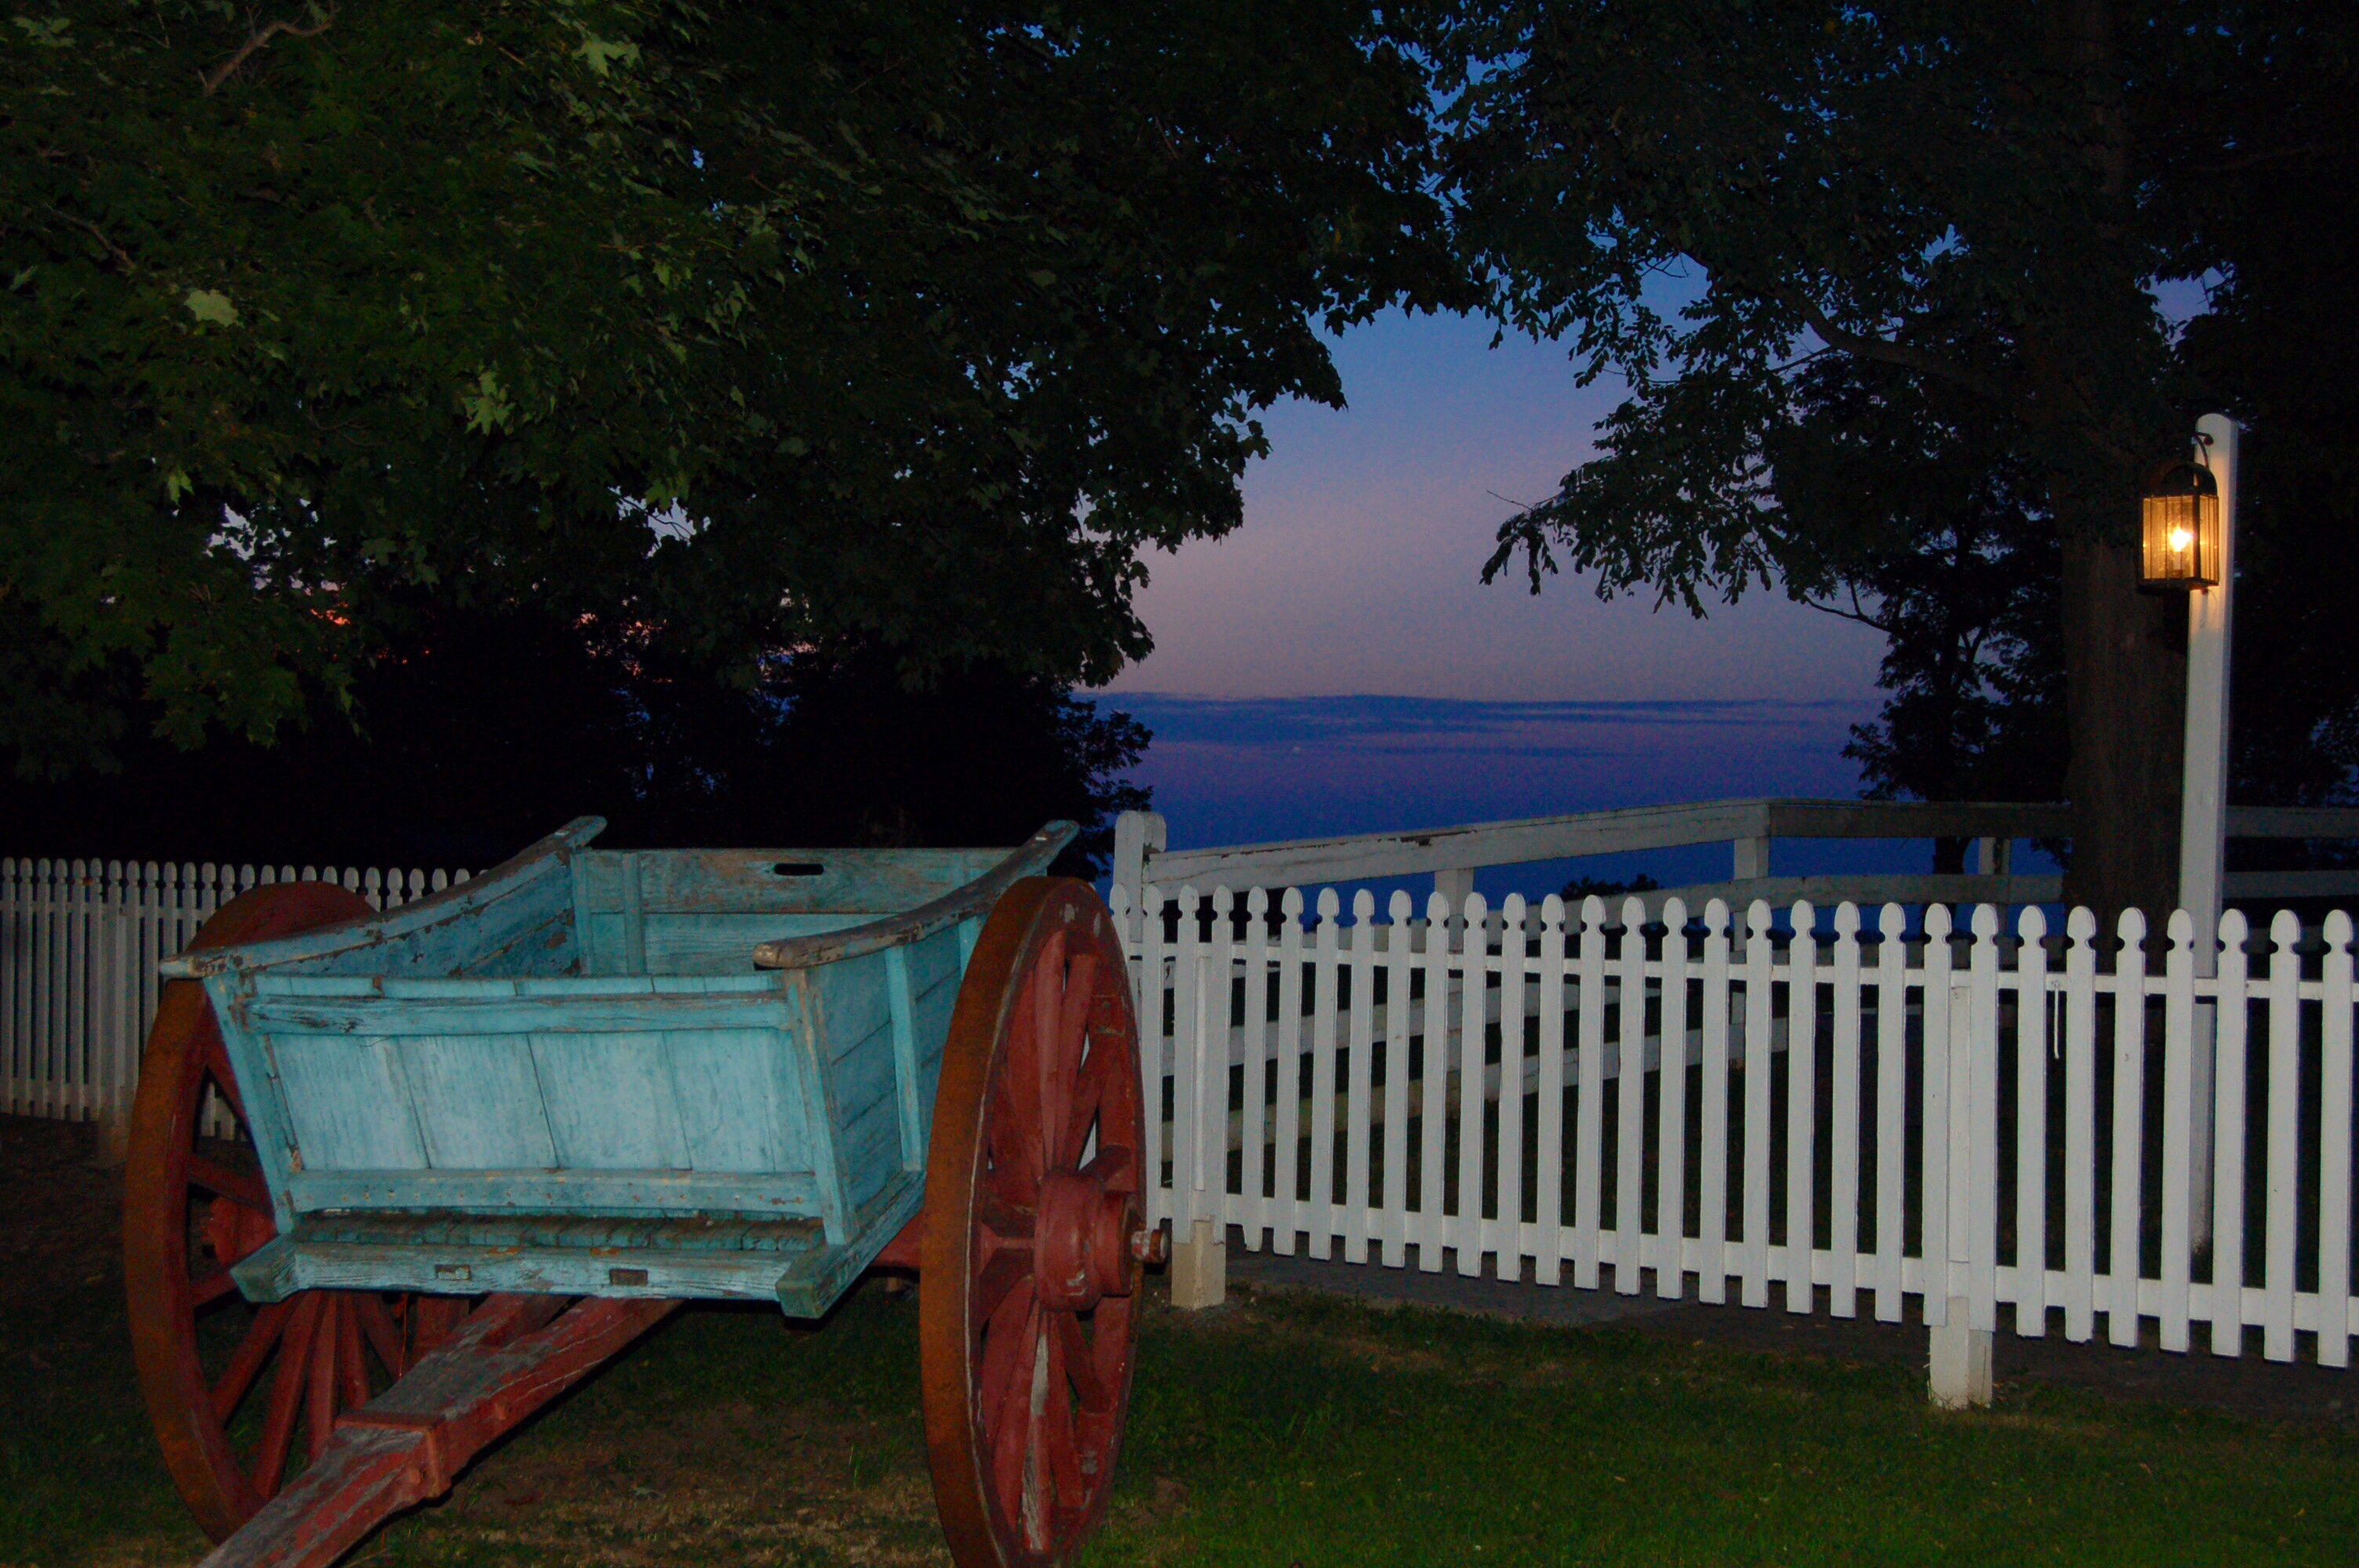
(229, 1387)
(1034, 1235)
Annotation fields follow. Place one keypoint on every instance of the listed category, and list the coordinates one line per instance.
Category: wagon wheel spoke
(1000, 1345)
(245, 1191)
(286, 1396)
(210, 1287)
(320, 1378)
(1010, 1409)
(1059, 1446)
(351, 1364)
(216, 1060)
(253, 1350)
(384, 1334)
(1090, 1089)
(1081, 1363)
(1048, 981)
(998, 1279)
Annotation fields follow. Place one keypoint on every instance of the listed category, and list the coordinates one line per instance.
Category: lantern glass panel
(2182, 537)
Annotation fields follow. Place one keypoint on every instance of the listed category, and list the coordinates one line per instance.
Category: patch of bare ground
(732, 1483)
(60, 1212)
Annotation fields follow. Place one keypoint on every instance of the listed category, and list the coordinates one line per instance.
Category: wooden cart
(483, 1141)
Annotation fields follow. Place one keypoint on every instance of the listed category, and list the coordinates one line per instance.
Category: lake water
(1241, 771)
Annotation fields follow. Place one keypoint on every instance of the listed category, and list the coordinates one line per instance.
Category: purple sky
(1358, 568)
(1358, 574)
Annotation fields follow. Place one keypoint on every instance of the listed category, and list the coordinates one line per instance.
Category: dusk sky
(1358, 574)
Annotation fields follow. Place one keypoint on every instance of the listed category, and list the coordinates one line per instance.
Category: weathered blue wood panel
(602, 1192)
(871, 1145)
(853, 1004)
(803, 1082)
(610, 1101)
(348, 1101)
(937, 965)
(777, 881)
(524, 928)
(902, 1003)
(478, 1102)
(735, 1113)
(724, 944)
(497, 1014)
(863, 1076)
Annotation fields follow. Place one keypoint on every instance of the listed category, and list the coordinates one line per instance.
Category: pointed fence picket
(79, 941)
(1840, 1109)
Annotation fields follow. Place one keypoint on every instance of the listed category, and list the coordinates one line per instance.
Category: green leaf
(599, 53)
(51, 34)
(487, 408)
(210, 304)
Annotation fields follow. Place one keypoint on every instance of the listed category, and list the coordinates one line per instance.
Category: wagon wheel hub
(1091, 1240)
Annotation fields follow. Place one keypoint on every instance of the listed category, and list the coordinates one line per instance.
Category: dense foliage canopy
(762, 325)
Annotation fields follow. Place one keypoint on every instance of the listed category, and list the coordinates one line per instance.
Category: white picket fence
(78, 945)
(1975, 1119)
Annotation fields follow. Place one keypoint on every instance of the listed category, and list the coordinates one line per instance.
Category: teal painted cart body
(645, 1074)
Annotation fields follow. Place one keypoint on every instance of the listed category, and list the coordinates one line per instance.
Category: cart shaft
(510, 1357)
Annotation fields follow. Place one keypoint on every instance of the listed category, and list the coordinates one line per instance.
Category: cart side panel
(702, 912)
(347, 1103)
(621, 1092)
(800, 882)
(584, 1077)
(478, 1102)
(936, 966)
(608, 917)
(680, 944)
(853, 1021)
(735, 1113)
(524, 925)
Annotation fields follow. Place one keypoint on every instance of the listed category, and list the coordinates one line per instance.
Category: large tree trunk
(2125, 663)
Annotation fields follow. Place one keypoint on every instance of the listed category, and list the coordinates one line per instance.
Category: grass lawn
(1277, 1430)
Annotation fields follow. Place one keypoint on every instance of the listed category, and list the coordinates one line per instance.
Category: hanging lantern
(2183, 528)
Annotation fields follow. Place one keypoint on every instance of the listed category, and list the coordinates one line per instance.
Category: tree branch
(121, 257)
(1856, 612)
(260, 39)
(1867, 346)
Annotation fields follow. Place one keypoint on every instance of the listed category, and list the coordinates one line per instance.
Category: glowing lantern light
(2183, 528)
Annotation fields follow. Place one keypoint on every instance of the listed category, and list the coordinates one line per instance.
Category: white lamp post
(2191, 543)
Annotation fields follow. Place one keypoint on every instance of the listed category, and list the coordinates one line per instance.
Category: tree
(1908, 518)
(483, 729)
(1976, 196)
(770, 324)
(2276, 216)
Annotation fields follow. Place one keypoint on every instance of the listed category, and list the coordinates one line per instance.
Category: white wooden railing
(1976, 1120)
(1750, 828)
(78, 945)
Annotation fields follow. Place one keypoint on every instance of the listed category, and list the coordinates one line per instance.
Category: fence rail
(78, 945)
(1851, 1108)
(1750, 828)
